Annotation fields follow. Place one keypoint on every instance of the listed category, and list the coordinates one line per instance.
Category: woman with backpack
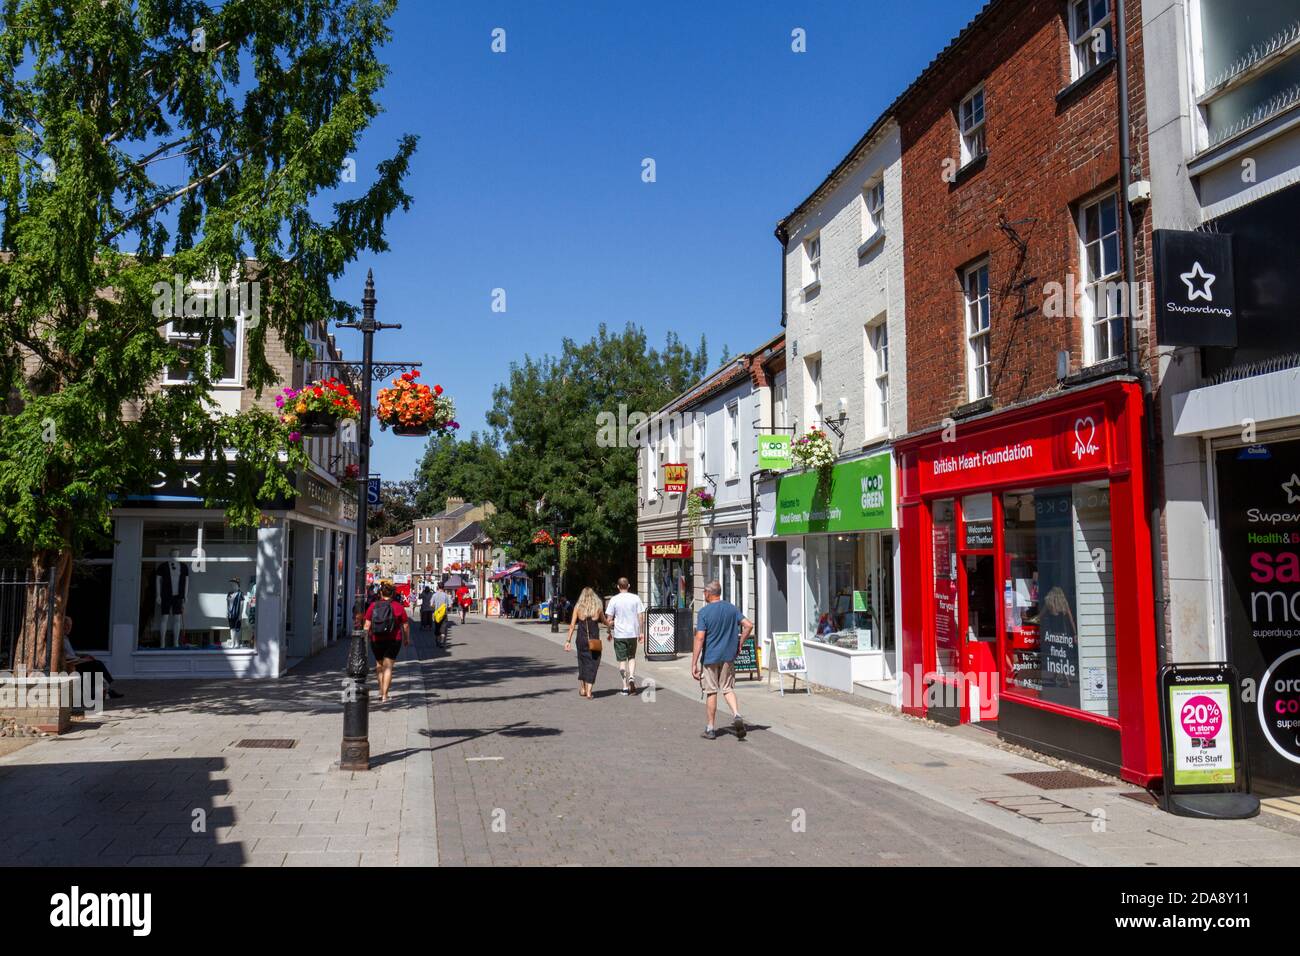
(588, 617)
(389, 628)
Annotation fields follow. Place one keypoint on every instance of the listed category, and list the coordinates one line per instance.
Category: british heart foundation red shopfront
(1028, 598)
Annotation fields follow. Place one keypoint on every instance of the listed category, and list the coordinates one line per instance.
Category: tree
(453, 468)
(548, 421)
(146, 147)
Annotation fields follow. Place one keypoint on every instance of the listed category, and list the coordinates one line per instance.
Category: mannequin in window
(173, 581)
(235, 612)
(250, 612)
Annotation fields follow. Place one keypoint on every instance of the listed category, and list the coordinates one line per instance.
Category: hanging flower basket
(815, 451)
(411, 408)
(698, 501)
(543, 537)
(316, 409)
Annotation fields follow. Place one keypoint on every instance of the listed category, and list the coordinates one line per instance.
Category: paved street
(487, 756)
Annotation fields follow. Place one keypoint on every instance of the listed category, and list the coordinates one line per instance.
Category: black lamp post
(355, 753)
(557, 572)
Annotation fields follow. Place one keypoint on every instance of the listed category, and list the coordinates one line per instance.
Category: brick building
(432, 532)
(1028, 599)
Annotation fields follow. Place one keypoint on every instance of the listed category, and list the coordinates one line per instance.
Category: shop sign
(787, 649)
(1196, 302)
(1049, 446)
(667, 549)
(774, 452)
(1200, 716)
(730, 542)
(317, 498)
(1259, 537)
(860, 499)
(747, 660)
(659, 633)
(181, 484)
(372, 492)
(979, 534)
(675, 479)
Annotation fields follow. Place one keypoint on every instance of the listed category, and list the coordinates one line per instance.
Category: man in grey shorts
(720, 632)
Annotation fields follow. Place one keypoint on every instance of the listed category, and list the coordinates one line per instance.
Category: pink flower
(295, 436)
(279, 401)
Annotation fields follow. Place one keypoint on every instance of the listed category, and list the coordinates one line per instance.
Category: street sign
(372, 491)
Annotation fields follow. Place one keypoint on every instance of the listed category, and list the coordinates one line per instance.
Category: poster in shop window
(1259, 533)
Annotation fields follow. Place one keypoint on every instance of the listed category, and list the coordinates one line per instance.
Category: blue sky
(528, 174)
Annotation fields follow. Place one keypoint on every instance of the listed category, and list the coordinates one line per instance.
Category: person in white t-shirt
(626, 615)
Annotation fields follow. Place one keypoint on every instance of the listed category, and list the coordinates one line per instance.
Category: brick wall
(1044, 156)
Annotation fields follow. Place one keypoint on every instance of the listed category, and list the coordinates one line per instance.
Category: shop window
(197, 586)
(671, 584)
(947, 641)
(850, 591)
(1059, 598)
(730, 572)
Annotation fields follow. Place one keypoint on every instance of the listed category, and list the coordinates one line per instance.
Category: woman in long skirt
(588, 618)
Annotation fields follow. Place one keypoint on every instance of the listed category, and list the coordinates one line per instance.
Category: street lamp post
(355, 752)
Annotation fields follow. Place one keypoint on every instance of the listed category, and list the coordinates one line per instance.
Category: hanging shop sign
(675, 479)
(1205, 769)
(1046, 446)
(1196, 301)
(860, 498)
(730, 542)
(372, 492)
(667, 549)
(1259, 539)
(774, 452)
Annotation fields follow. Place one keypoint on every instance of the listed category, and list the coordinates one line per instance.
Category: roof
(455, 512)
(734, 371)
(926, 74)
(466, 535)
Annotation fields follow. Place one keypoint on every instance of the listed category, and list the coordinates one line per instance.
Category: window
(812, 261)
(701, 447)
(652, 472)
(1089, 34)
(188, 335)
(780, 401)
(733, 441)
(1059, 598)
(873, 202)
(198, 585)
(970, 116)
(674, 446)
(977, 332)
(1103, 299)
(437, 534)
(877, 376)
(813, 390)
(1246, 62)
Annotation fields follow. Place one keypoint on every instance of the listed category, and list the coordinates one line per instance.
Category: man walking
(720, 632)
(440, 604)
(626, 616)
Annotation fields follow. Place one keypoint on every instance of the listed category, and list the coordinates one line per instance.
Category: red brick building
(1028, 584)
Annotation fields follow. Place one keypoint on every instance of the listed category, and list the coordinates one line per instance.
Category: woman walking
(588, 617)
(389, 629)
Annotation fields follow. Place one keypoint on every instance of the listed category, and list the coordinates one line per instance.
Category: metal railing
(26, 609)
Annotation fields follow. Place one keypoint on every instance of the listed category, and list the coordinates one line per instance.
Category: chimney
(454, 503)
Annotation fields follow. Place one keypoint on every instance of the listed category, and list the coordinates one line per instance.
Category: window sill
(866, 245)
(1096, 370)
(1245, 142)
(1085, 82)
(812, 287)
(970, 168)
(977, 407)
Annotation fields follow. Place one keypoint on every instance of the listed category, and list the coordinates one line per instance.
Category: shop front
(1027, 582)
(670, 566)
(828, 571)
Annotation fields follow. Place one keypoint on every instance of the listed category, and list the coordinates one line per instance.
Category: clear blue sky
(528, 173)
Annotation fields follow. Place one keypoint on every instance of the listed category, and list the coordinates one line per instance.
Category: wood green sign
(774, 452)
(860, 498)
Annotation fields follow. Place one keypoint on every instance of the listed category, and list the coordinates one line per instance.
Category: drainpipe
(783, 237)
(1150, 460)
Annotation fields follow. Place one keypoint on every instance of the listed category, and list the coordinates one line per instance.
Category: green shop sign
(774, 452)
(860, 498)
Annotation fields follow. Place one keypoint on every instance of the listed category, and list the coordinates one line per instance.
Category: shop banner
(668, 549)
(774, 452)
(1048, 447)
(675, 479)
(787, 649)
(372, 492)
(860, 498)
(1196, 302)
(730, 542)
(1259, 538)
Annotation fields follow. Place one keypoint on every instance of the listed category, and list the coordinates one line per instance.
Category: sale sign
(1201, 718)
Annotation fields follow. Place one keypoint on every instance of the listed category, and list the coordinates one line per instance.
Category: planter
(317, 423)
(413, 431)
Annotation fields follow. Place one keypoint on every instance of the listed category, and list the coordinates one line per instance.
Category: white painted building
(833, 578)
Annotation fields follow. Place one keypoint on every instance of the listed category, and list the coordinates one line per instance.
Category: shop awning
(509, 571)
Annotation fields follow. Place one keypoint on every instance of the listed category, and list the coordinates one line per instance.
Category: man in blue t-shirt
(720, 632)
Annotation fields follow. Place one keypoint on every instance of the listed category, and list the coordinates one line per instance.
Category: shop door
(978, 625)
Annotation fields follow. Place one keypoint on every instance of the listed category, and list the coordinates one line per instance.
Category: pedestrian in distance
(625, 615)
(440, 608)
(426, 608)
(390, 629)
(464, 600)
(720, 632)
(588, 616)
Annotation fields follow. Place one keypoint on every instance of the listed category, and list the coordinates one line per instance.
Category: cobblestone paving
(527, 772)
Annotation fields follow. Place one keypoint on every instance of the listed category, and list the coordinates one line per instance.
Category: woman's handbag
(594, 645)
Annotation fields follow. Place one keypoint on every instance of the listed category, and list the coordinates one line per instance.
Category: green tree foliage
(548, 421)
(397, 510)
(145, 141)
(452, 468)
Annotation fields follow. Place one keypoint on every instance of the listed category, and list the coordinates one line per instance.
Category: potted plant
(316, 409)
(413, 408)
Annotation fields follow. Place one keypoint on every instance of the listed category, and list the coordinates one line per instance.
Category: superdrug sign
(1196, 299)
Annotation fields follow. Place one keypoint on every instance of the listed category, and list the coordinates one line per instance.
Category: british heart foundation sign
(1052, 445)
(674, 479)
